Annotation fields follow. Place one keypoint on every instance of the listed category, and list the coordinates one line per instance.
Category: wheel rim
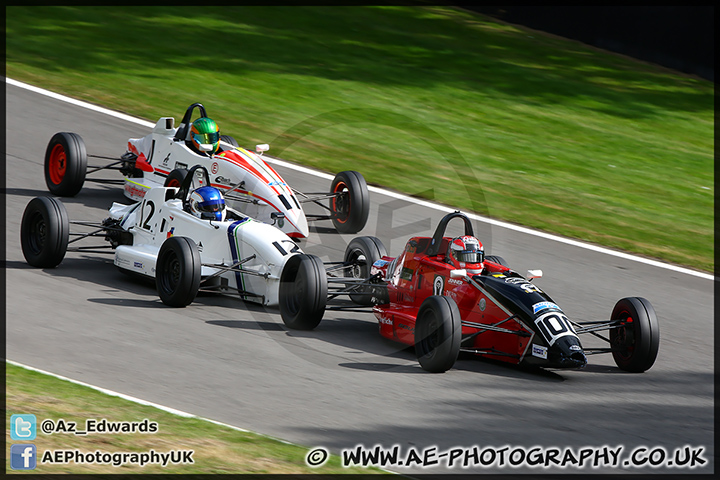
(341, 202)
(38, 233)
(174, 183)
(358, 261)
(624, 338)
(58, 164)
(171, 273)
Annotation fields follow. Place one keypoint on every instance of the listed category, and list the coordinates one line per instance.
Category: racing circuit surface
(342, 384)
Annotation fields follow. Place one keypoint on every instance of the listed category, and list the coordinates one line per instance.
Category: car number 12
(145, 221)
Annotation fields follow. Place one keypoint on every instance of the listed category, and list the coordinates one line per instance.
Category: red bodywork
(416, 276)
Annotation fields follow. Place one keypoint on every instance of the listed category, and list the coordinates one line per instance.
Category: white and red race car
(250, 185)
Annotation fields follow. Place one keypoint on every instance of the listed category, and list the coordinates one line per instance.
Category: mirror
(263, 147)
(534, 274)
(458, 273)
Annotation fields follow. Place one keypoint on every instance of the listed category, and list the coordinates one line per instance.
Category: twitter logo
(23, 427)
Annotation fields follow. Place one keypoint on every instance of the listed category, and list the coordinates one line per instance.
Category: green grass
(217, 449)
(484, 116)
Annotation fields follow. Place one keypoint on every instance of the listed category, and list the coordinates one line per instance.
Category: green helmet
(204, 131)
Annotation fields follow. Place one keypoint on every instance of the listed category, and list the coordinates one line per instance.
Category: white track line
(388, 193)
(140, 401)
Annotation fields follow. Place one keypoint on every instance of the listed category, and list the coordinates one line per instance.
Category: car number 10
(554, 325)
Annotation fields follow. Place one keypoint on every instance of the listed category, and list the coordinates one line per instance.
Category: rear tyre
(228, 139)
(44, 232)
(636, 343)
(177, 272)
(176, 177)
(65, 164)
(437, 334)
(350, 209)
(362, 252)
(303, 292)
(497, 259)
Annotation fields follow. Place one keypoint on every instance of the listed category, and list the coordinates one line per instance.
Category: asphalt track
(342, 385)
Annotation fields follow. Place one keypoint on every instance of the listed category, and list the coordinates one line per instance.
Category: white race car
(250, 184)
(163, 237)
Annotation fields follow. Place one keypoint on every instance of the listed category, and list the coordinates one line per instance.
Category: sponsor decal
(134, 191)
(498, 275)
(200, 247)
(575, 348)
(138, 265)
(224, 180)
(385, 321)
(438, 285)
(380, 263)
(406, 274)
(180, 165)
(455, 281)
(539, 351)
(538, 307)
(166, 160)
(214, 168)
(524, 284)
(482, 304)
(171, 231)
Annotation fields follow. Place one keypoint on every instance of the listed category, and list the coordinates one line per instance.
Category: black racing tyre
(44, 232)
(497, 259)
(228, 139)
(177, 272)
(176, 177)
(303, 292)
(350, 209)
(65, 164)
(361, 253)
(437, 334)
(635, 345)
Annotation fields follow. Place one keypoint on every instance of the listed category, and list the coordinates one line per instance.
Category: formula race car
(185, 238)
(443, 296)
(250, 185)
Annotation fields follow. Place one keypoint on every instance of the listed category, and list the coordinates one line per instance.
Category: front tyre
(438, 334)
(177, 272)
(360, 254)
(497, 259)
(636, 343)
(44, 232)
(227, 139)
(351, 204)
(65, 164)
(303, 292)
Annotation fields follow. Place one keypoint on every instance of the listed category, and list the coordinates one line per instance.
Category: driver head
(466, 252)
(207, 203)
(205, 135)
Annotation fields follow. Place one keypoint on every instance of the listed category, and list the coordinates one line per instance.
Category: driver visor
(206, 138)
(471, 256)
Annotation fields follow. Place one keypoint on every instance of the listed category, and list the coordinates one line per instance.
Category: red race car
(444, 296)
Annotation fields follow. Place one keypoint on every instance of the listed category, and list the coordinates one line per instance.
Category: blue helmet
(207, 203)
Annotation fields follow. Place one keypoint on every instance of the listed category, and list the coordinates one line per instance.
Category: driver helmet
(207, 203)
(467, 252)
(204, 134)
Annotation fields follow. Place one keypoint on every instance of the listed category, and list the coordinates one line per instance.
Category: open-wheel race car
(443, 296)
(250, 184)
(184, 237)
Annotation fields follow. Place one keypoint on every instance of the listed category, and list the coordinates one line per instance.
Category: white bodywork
(155, 219)
(263, 193)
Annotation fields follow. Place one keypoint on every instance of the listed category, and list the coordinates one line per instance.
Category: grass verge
(217, 449)
(431, 101)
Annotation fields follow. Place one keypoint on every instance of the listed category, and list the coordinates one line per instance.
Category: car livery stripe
(250, 194)
(267, 170)
(234, 249)
(236, 158)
